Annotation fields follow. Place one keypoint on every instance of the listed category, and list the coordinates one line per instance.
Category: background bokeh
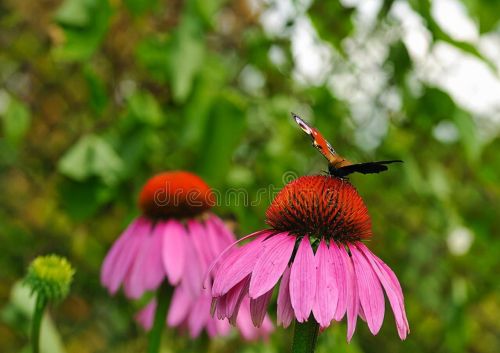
(98, 95)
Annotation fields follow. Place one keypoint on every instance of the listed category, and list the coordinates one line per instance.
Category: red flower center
(175, 195)
(320, 206)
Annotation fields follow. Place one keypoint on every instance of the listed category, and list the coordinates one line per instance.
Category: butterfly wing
(364, 168)
(318, 140)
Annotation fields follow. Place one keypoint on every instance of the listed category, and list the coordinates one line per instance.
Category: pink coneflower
(156, 245)
(315, 245)
(170, 245)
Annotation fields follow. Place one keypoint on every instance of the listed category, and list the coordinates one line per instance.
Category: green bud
(50, 277)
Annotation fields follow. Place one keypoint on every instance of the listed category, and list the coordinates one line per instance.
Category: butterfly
(337, 165)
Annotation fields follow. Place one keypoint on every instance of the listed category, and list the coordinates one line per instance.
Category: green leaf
(97, 91)
(399, 61)
(144, 107)
(85, 24)
(206, 91)
(16, 121)
(92, 156)
(468, 134)
(73, 13)
(486, 12)
(138, 7)
(208, 9)
(224, 131)
(82, 200)
(332, 21)
(186, 57)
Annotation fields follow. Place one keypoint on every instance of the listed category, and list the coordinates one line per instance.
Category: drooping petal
(370, 292)
(225, 235)
(155, 272)
(173, 250)
(258, 307)
(227, 303)
(193, 272)
(212, 328)
(214, 240)
(199, 316)
(236, 266)
(340, 274)
(270, 266)
(224, 255)
(266, 328)
(285, 309)
(120, 258)
(246, 327)
(392, 288)
(146, 315)
(243, 296)
(179, 307)
(303, 281)
(352, 294)
(217, 327)
(147, 271)
(327, 294)
(198, 240)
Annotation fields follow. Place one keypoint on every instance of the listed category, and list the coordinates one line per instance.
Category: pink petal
(145, 317)
(198, 240)
(370, 292)
(229, 250)
(270, 266)
(244, 321)
(392, 288)
(121, 257)
(228, 302)
(266, 328)
(214, 240)
(179, 307)
(361, 313)
(340, 279)
(352, 294)
(155, 273)
(227, 237)
(199, 316)
(193, 272)
(258, 308)
(303, 281)
(236, 266)
(147, 271)
(217, 327)
(241, 298)
(173, 250)
(285, 310)
(212, 328)
(327, 293)
(246, 327)
(109, 263)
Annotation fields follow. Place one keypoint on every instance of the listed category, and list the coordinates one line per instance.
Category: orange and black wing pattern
(338, 166)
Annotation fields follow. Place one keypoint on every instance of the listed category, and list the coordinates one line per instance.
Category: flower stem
(36, 323)
(305, 336)
(162, 300)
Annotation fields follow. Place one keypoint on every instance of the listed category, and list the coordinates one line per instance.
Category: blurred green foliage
(98, 95)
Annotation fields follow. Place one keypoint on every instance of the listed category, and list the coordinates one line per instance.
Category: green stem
(305, 336)
(162, 300)
(36, 323)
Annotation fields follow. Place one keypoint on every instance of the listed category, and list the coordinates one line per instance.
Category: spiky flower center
(320, 206)
(50, 277)
(175, 195)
